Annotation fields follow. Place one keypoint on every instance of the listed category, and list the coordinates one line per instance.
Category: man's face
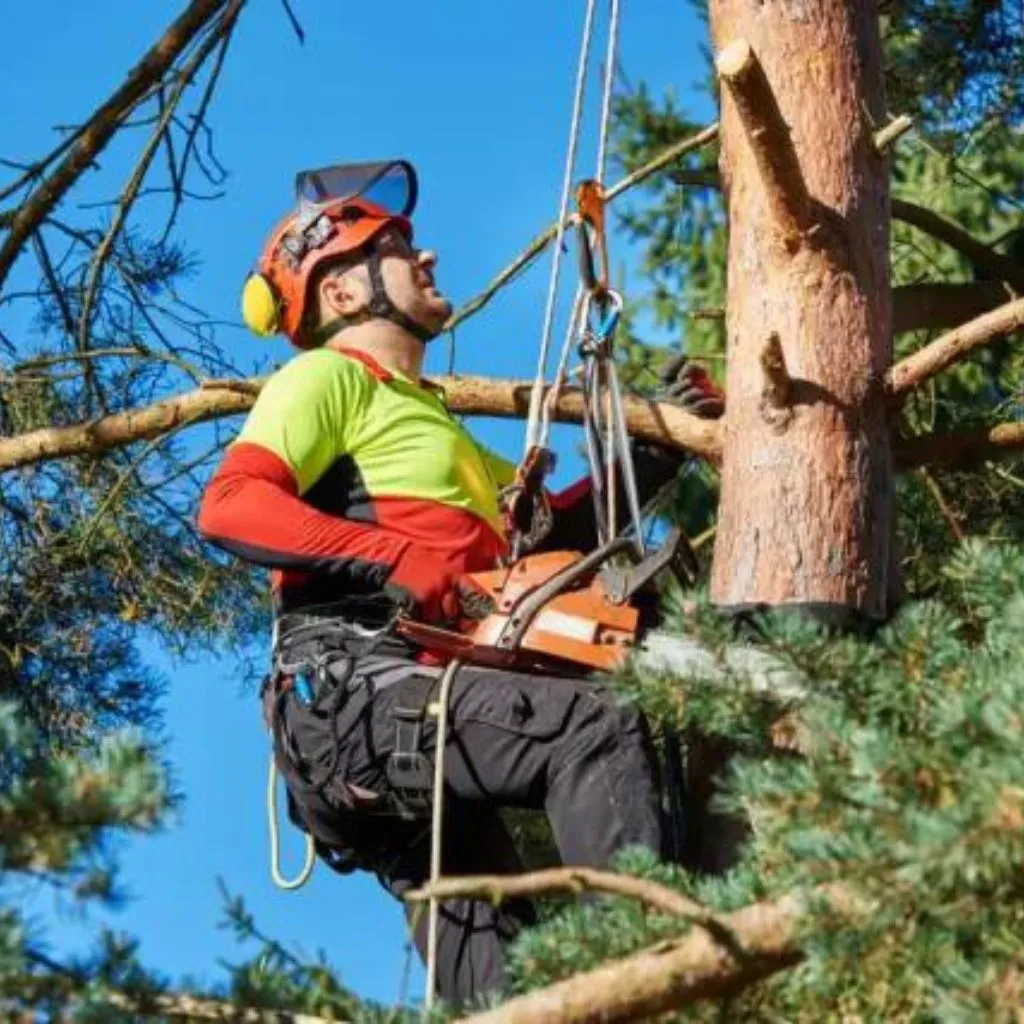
(409, 278)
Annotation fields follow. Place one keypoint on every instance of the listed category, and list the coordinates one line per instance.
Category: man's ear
(343, 295)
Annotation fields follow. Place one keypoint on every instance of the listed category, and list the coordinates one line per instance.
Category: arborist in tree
(352, 481)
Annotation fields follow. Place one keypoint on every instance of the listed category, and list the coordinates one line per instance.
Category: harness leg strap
(408, 770)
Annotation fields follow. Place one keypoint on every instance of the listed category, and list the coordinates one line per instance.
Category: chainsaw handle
(531, 603)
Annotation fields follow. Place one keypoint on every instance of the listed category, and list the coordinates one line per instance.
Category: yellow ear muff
(261, 309)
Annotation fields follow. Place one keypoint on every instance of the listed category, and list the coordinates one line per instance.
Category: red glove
(428, 584)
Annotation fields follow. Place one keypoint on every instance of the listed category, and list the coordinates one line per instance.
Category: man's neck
(393, 348)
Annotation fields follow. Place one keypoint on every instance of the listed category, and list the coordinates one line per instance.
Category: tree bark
(806, 509)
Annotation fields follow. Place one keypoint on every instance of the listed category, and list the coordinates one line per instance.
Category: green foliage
(909, 787)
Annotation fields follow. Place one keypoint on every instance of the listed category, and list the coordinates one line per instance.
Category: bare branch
(940, 500)
(198, 121)
(911, 372)
(894, 130)
(541, 242)
(59, 296)
(294, 21)
(138, 176)
(981, 255)
(769, 139)
(965, 450)
(483, 396)
(192, 1008)
(714, 962)
(497, 888)
(102, 126)
(480, 396)
(931, 305)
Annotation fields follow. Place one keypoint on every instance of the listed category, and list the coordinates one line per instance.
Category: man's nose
(427, 259)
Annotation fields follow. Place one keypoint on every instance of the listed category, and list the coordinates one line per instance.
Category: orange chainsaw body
(580, 626)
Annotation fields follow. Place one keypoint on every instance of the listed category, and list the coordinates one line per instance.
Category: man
(352, 482)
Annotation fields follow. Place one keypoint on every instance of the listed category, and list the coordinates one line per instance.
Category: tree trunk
(806, 513)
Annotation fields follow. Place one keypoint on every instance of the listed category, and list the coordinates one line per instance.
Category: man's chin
(440, 310)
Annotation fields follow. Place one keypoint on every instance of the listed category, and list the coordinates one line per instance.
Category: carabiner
(611, 311)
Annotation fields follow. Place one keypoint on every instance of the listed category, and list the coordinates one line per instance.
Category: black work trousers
(563, 745)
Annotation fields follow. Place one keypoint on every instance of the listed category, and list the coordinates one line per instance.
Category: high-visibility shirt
(340, 466)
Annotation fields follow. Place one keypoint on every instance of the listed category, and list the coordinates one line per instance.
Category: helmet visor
(390, 184)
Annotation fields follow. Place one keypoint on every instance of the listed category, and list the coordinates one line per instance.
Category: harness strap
(408, 770)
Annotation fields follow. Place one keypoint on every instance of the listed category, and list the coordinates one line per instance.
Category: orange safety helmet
(340, 210)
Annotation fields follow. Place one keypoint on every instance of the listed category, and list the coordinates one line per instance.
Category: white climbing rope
(451, 670)
(611, 57)
(538, 428)
(275, 842)
(536, 395)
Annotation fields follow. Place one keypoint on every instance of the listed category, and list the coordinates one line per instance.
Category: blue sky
(477, 95)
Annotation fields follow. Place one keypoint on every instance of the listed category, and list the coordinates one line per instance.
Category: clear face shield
(389, 184)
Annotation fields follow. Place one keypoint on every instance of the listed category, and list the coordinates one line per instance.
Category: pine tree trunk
(806, 513)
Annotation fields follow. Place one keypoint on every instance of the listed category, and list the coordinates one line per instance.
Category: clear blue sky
(477, 95)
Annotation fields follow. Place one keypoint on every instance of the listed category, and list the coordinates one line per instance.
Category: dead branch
(138, 176)
(102, 126)
(192, 1008)
(933, 305)
(940, 500)
(541, 242)
(913, 371)
(742, 948)
(471, 396)
(481, 396)
(894, 130)
(981, 255)
(769, 139)
(498, 888)
(179, 173)
(964, 450)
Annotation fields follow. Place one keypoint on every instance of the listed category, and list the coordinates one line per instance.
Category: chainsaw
(562, 611)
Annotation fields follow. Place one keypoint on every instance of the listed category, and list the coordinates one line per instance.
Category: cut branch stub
(776, 393)
(768, 135)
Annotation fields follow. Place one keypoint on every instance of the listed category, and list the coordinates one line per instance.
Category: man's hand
(428, 585)
(687, 384)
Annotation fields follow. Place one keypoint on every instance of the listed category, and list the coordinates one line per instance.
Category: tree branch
(934, 304)
(885, 137)
(768, 137)
(965, 450)
(913, 371)
(149, 151)
(497, 888)
(541, 242)
(925, 306)
(481, 396)
(192, 1008)
(983, 257)
(102, 126)
(712, 962)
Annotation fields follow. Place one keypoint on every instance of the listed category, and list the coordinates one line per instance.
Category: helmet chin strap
(380, 307)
